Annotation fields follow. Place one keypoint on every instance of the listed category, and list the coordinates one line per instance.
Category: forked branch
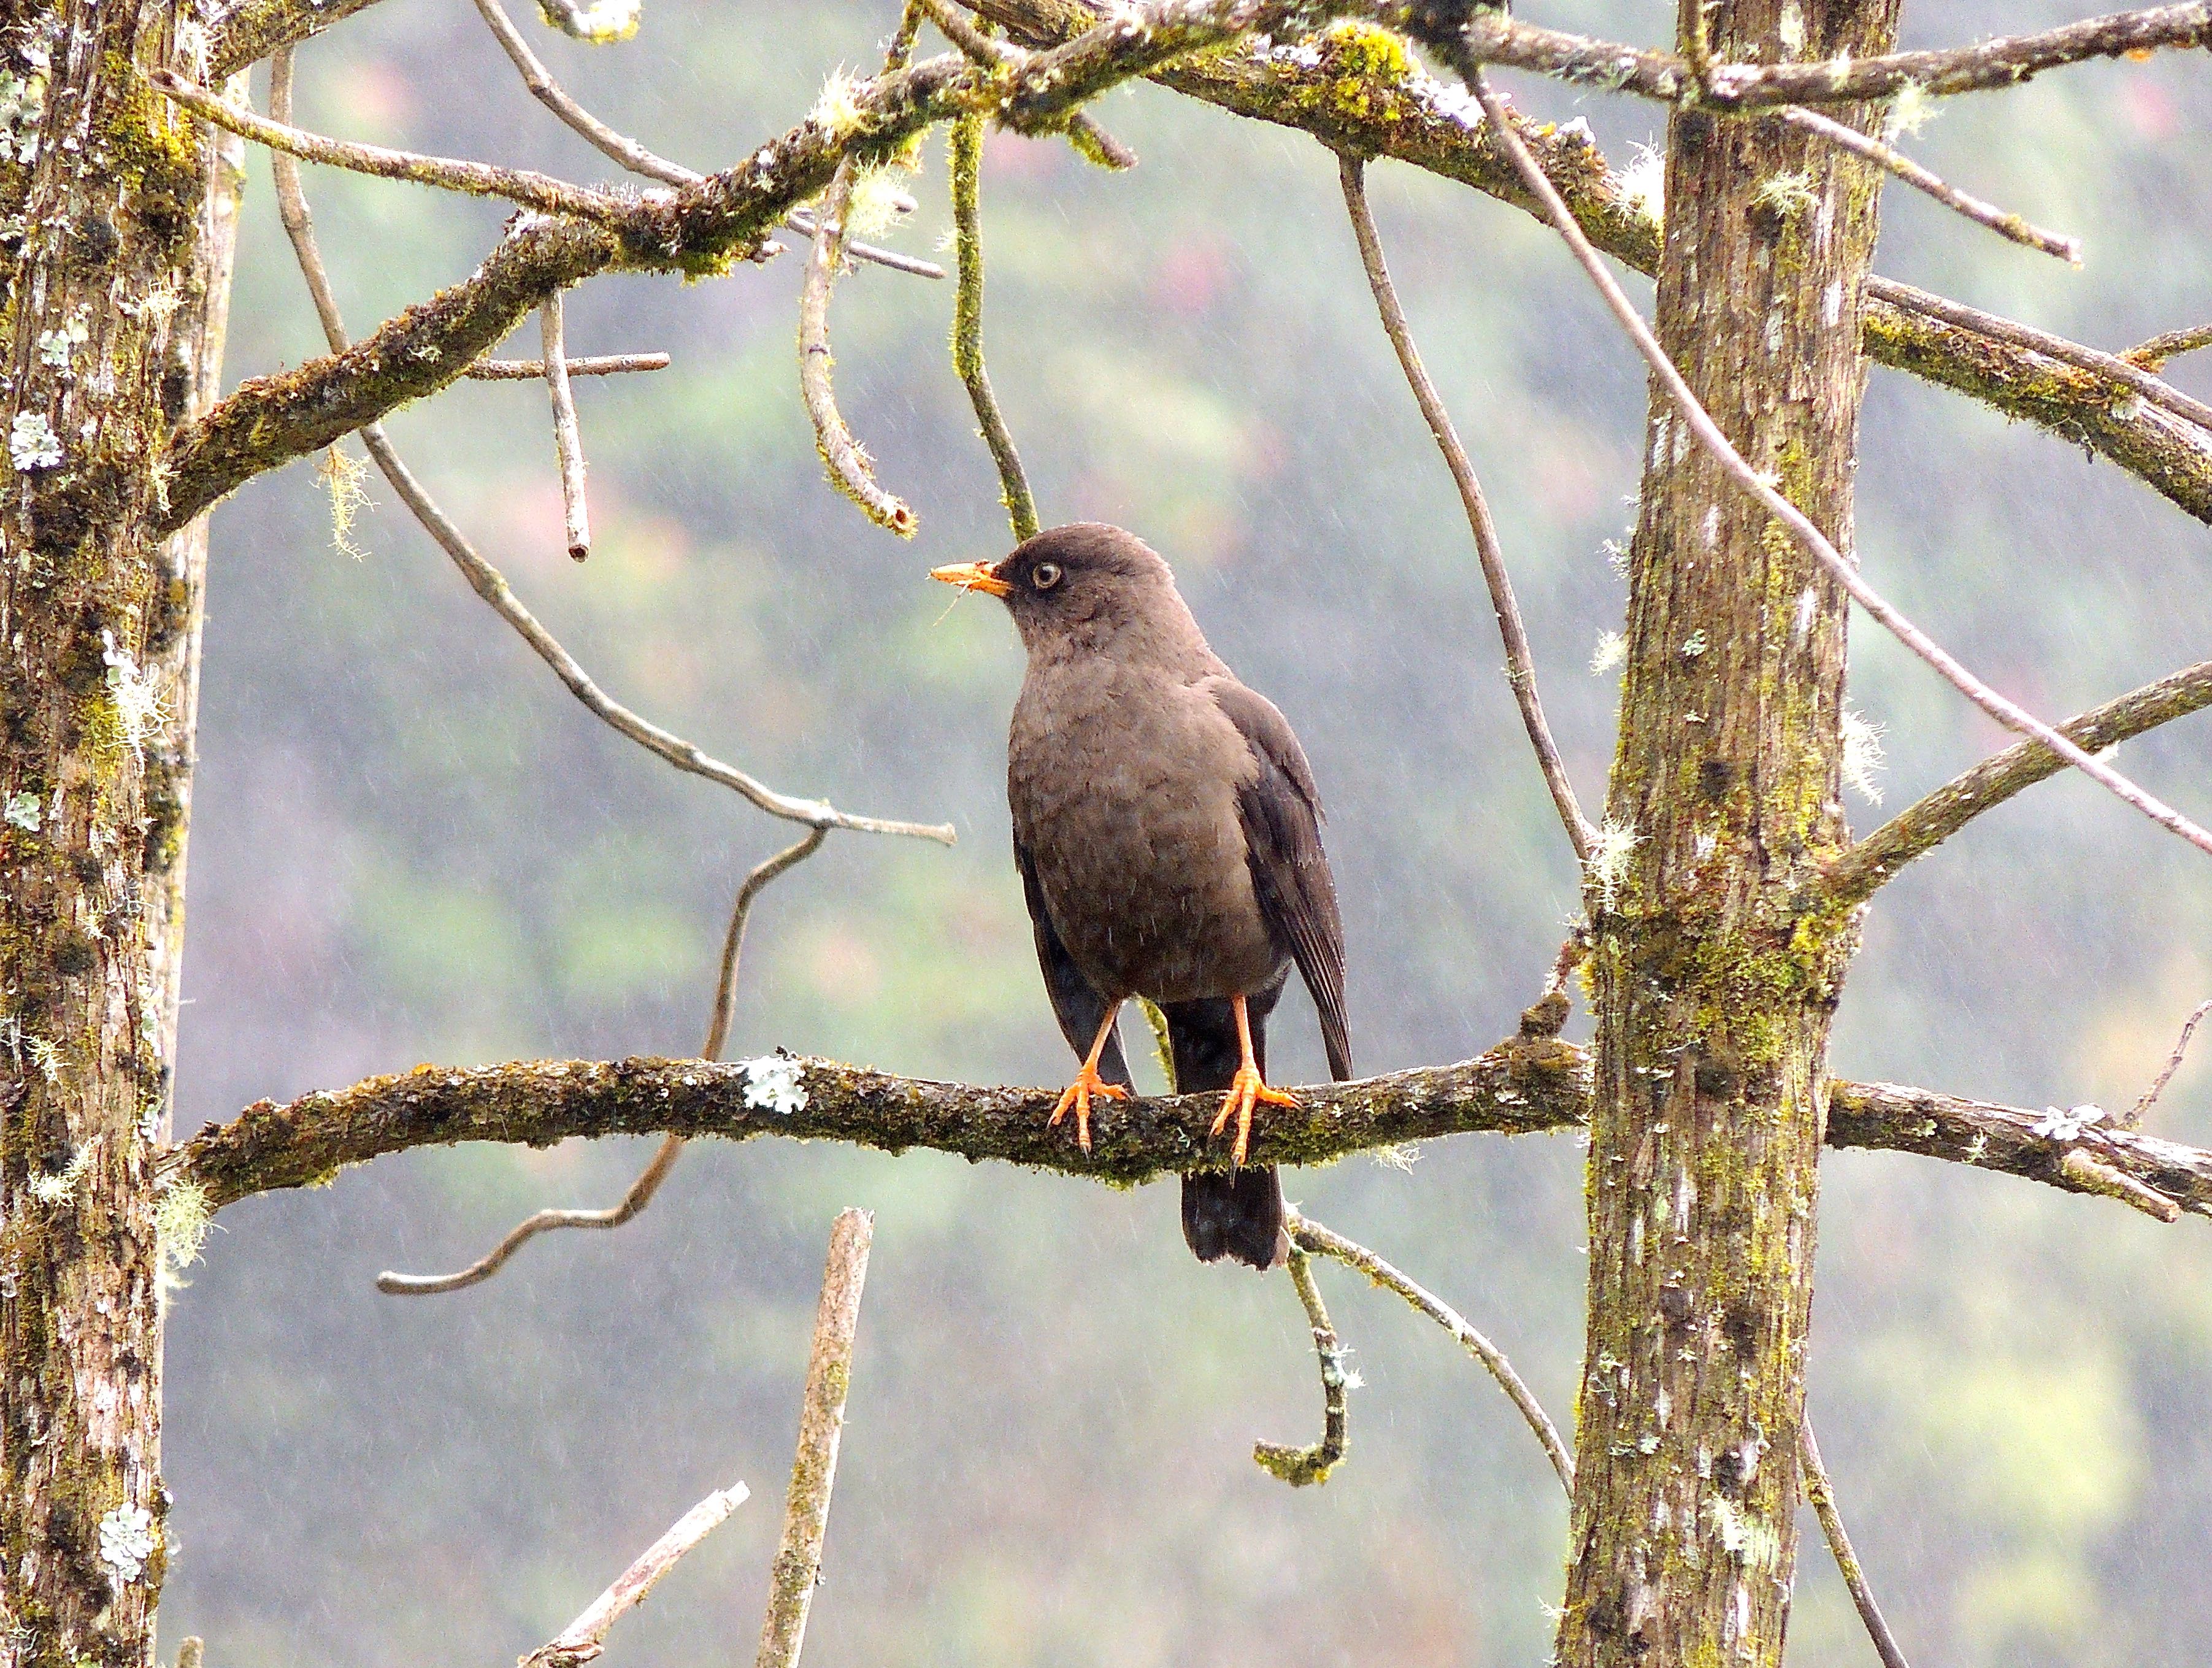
(1845, 573)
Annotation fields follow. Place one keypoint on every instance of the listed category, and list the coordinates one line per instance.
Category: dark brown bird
(1168, 832)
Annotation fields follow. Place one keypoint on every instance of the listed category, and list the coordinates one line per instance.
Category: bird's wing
(1076, 1002)
(1281, 810)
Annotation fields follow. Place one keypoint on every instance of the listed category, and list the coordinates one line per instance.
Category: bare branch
(1822, 1493)
(1301, 1466)
(585, 1638)
(568, 441)
(2154, 389)
(600, 364)
(966, 169)
(634, 1200)
(533, 190)
(1310, 1234)
(849, 467)
(1870, 863)
(821, 1424)
(2153, 355)
(1846, 137)
(1351, 89)
(2173, 1064)
(1816, 544)
(1520, 659)
(641, 1192)
(1470, 36)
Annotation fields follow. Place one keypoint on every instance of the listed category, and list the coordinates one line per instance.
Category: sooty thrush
(1168, 832)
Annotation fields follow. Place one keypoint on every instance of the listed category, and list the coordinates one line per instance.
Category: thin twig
(2007, 712)
(846, 460)
(798, 1564)
(1823, 1496)
(1310, 1234)
(2004, 224)
(585, 1638)
(634, 156)
(567, 442)
(531, 190)
(641, 1191)
(1520, 659)
(1868, 865)
(2173, 1064)
(967, 167)
(1093, 142)
(191, 1652)
(2155, 390)
(597, 364)
(1301, 1466)
(2153, 355)
(486, 580)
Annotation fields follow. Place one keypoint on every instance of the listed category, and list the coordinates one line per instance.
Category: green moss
(1364, 76)
(146, 141)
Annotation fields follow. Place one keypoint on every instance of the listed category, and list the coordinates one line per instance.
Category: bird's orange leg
(1245, 1089)
(1087, 1083)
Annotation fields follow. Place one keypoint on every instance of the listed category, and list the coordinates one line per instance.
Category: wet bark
(1714, 988)
(117, 263)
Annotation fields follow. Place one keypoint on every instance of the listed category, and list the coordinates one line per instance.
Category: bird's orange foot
(1247, 1089)
(1077, 1094)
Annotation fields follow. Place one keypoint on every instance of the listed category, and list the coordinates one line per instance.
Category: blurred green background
(412, 845)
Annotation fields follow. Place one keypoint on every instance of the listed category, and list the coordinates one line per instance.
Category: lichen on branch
(1530, 1084)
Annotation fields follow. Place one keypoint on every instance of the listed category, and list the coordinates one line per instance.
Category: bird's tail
(1238, 1215)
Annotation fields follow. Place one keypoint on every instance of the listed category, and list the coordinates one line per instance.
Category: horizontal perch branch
(1471, 36)
(1524, 1086)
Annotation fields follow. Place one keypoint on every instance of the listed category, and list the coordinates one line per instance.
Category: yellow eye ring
(1045, 576)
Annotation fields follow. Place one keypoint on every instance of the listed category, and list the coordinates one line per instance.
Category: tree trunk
(1713, 986)
(118, 243)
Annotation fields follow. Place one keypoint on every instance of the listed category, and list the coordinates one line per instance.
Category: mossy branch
(1470, 35)
(698, 229)
(1358, 91)
(1525, 1086)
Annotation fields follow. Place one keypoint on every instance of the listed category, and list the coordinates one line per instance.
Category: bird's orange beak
(973, 576)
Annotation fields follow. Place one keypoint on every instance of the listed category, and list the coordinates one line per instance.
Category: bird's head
(1086, 586)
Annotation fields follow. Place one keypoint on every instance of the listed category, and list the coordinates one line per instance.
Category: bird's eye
(1045, 576)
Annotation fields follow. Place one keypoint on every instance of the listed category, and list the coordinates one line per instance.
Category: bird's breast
(1123, 789)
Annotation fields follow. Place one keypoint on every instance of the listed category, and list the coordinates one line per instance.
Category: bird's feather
(1281, 811)
(1076, 1002)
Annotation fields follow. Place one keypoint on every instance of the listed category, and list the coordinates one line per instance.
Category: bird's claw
(1077, 1094)
(1246, 1089)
